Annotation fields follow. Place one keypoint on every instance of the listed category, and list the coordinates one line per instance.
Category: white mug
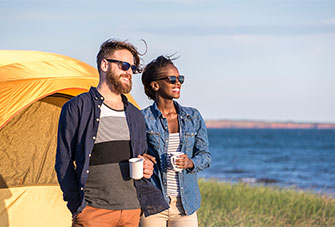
(173, 157)
(136, 168)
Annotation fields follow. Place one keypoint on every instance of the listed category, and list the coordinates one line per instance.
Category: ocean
(287, 158)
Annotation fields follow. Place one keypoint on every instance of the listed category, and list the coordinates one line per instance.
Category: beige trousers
(173, 217)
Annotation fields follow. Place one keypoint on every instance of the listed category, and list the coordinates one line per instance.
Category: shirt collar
(158, 113)
(97, 96)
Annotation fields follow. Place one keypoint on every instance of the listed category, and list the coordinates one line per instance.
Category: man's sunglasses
(124, 65)
(173, 79)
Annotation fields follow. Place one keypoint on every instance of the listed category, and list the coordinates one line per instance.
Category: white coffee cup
(136, 168)
(173, 157)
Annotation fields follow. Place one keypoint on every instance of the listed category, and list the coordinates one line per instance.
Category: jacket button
(99, 106)
(87, 171)
(93, 137)
(97, 119)
(89, 155)
(82, 188)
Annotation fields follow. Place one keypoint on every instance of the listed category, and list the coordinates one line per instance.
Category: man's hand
(151, 158)
(148, 165)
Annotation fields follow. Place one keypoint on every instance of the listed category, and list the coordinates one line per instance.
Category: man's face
(121, 80)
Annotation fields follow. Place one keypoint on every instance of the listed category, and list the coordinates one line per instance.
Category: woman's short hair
(151, 71)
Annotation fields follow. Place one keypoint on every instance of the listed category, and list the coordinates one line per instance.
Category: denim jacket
(77, 130)
(194, 143)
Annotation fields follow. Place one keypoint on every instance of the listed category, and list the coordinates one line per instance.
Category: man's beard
(117, 84)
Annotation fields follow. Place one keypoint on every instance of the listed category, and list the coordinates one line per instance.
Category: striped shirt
(172, 176)
(109, 185)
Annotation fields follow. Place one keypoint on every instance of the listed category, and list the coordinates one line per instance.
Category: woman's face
(164, 88)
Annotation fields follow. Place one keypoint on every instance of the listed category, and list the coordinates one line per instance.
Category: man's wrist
(190, 164)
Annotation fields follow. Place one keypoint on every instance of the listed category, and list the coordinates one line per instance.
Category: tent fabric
(26, 76)
(30, 161)
(34, 86)
(34, 206)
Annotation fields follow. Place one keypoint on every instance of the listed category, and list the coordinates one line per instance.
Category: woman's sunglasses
(173, 79)
(124, 65)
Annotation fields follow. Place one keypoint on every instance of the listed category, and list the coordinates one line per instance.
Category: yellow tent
(34, 86)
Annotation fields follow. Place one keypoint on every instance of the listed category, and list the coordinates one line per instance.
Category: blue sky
(244, 60)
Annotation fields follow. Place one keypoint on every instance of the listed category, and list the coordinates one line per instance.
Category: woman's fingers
(182, 161)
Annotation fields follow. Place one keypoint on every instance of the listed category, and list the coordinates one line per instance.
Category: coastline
(300, 158)
(266, 124)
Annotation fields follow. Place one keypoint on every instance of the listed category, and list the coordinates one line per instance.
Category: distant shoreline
(266, 124)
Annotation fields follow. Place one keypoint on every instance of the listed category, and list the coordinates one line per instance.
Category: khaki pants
(93, 217)
(173, 217)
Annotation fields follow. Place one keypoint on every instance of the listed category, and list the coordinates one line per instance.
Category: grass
(224, 204)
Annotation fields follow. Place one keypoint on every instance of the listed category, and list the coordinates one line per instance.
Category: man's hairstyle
(111, 45)
(151, 71)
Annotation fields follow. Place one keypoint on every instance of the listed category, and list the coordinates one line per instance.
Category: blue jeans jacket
(77, 130)
(194, 143)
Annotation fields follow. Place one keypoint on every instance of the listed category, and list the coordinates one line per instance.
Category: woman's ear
(154, 85)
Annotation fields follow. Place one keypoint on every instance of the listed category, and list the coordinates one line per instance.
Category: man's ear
(154, 85)
(104, 65)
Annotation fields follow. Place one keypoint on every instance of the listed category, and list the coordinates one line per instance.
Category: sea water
(296, 158)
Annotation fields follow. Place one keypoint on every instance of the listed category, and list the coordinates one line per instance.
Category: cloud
(239, 30)
(330, 21)
(179, 1)
(46, 17)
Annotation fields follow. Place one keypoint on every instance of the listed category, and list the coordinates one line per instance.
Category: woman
(170, 128)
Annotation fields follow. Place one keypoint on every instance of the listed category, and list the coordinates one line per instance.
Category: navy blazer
(77, 130)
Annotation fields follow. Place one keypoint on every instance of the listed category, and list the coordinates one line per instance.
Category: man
(98, 132)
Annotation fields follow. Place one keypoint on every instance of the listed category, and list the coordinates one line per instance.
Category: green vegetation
(224, 204)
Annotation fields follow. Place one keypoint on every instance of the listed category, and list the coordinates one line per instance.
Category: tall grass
(224, 204)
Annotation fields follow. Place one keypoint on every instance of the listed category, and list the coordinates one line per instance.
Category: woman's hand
(183, 162)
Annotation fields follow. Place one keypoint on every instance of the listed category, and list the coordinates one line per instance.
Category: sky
(271, 60)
